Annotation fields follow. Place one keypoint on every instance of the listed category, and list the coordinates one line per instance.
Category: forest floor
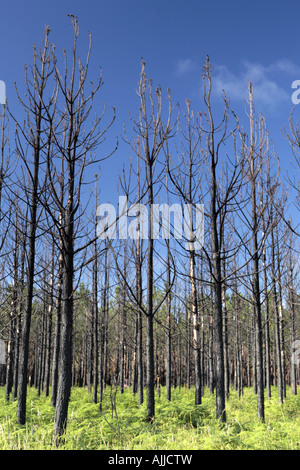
(179, 424)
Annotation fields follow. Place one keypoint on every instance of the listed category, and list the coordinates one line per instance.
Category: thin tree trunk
(36, 145)
(24, 351)
(256, 282)
(123, 328)
(178, 382)
(95, 310)
(267, 326)
(11, 345)
(103, 318)
(55, 359)
(188, 343)
(281, 321)
(292, 303)
(49, 329)
(19, 314)
(277, 326)
(65, 355)
(225, 335)
(66, 332)
(168, 313)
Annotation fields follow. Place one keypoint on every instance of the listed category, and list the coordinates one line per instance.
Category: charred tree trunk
(255, 257)
(37, 130)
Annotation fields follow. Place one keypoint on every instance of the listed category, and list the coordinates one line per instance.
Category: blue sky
(257, 40)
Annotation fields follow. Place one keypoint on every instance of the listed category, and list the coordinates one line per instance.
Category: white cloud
(266, 88)
(286, 66)
(185, 66)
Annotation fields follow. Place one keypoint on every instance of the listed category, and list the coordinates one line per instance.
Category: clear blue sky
(257, 40)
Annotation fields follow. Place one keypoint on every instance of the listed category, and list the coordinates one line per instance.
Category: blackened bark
(95, 313)
(38, 109)
(149, 317)
(139, 296)
(281, 320)
(292, 303)
(104, 314)
(11, 345)
(277, 322)
(267, 322)
(255, 257)
(168, 313)
(57, 335)
(19, 313)
(217, 283)
(140, 357)
(196, 330)
(123, 327)
(150, 368)
(49, 308)
(24, 350)
(65, 355)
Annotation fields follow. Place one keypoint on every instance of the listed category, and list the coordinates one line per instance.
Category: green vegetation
(178, 425)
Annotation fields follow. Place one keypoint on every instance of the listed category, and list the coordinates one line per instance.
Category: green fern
(179, 424)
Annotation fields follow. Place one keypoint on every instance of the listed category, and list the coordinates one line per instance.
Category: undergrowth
(179, 424)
